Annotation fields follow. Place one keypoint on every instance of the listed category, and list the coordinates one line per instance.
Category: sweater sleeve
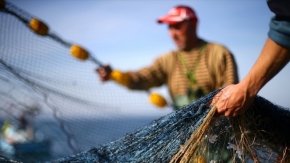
(231, 70)
(151, 76)
(279, 30)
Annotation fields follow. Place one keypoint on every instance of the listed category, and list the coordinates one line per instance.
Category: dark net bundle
(261, 135)
(155, 142)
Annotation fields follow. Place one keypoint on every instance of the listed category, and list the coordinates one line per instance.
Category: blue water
(88, 133)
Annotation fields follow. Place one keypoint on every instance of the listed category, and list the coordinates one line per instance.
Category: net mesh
(193, 134)
(75, 110)
(84, 125)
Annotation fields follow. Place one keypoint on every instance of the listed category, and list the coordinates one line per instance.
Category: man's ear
(193, 24)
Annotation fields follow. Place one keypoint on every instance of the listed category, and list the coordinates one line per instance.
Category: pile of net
(193, 134)
(262, 134)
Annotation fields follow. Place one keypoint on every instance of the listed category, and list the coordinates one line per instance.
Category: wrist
(250, 86)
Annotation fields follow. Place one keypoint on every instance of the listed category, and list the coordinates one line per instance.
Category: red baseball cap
(178, 14)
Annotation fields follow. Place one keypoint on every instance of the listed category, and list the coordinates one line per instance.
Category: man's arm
(143, 79)
(233, 100)
(271, 60)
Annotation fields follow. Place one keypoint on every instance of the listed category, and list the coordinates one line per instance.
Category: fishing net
(193, 134)
(58, 93)
(35, 66)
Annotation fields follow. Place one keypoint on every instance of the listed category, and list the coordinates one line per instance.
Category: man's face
(181, 34)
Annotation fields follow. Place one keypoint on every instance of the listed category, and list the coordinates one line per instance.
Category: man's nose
(174, 33)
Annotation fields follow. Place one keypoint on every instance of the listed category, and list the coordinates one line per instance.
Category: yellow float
(79, 52)
(120, 77)
(38, 27)
(157, 100)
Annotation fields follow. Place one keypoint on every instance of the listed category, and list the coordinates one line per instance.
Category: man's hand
(233, 100)
(104, 72)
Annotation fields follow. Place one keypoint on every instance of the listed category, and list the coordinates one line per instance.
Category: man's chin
(180, 47)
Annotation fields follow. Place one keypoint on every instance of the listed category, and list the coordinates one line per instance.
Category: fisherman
(194, 69)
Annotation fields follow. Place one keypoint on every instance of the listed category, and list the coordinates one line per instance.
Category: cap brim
(169, 20)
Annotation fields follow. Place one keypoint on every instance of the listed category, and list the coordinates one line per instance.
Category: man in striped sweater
(196, 68)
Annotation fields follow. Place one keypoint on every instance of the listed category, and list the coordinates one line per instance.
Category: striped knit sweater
(216, 68)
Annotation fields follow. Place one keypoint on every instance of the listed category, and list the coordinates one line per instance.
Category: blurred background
(63, 97)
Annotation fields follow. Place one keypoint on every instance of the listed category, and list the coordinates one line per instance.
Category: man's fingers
(216, 98)
(215, 102)
(217, 113)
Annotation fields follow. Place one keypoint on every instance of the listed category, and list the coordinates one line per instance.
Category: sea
(90, 133)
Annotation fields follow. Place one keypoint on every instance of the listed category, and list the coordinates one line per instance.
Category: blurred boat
(14, 141)
(32, 147)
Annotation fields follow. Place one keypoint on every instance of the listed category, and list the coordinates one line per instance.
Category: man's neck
(195, 44)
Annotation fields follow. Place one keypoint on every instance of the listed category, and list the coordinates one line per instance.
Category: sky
(125, 34)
